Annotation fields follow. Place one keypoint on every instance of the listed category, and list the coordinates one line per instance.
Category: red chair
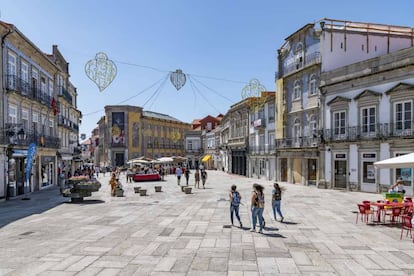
(364, 211)
(395, 213)
(406, 225)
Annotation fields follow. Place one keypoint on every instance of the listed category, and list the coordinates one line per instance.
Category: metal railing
(310, 59)
(298, 142)
(23, 137)
(64, 93)
(19, 86)
(377, 131)
(262, 149)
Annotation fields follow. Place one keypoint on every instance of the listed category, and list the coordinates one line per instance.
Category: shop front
(340, 170)
(367, 173)
(47, 171)
(16, 169)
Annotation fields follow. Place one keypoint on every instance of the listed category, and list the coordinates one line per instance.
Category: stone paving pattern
(172, 233)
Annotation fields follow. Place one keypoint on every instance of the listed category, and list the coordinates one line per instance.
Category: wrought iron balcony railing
(19, 86)
(65, 94)
(310, 59)
(375, 131)
(262, 149)
(298, 142)
(12, 135)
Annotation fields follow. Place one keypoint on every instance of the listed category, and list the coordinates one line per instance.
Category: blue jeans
(276, 208)
(257, 213)
(235, 210)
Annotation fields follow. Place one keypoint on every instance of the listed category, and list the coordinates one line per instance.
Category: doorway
(340, 174)
(119, 159)
(312, 171)
(283, 169)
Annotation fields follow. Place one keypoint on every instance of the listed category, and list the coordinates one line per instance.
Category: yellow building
(128, 132)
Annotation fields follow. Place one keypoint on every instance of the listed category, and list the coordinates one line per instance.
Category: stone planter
(187, 190)
(119, 193)
(142, 192)
(137, 189)
(158, 189)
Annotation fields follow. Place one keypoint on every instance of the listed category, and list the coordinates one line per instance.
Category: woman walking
(257, 207)
(113, 182)
(203, 177)
(197, 178)
(276, 198)
(235, 199)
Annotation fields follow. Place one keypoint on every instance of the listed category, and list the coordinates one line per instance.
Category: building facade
(368, 117)
(130, 132)
(261, 153)
(33, 96)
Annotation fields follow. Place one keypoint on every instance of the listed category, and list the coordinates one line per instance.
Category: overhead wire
(212, 90)
(123, 101)
(201, 94)
(156, 91)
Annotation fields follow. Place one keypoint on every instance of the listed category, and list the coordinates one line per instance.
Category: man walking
(178, 173)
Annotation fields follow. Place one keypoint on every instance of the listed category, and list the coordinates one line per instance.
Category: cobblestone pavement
(172, 233)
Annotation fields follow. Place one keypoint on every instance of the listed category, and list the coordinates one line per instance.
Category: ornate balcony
(21, 87)
(298, 142)
(377, 131)
(15, 134)
(262, 149)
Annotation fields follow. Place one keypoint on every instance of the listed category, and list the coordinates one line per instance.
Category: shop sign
(340, 156)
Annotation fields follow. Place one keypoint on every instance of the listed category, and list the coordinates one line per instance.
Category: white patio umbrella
(402, 161)
(165, 159)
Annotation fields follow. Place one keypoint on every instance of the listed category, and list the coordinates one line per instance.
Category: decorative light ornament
(253, 92)
(101, 70)
(178, 79)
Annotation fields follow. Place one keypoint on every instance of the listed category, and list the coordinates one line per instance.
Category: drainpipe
(3, 38)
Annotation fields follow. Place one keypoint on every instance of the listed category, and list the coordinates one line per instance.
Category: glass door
(340, 174)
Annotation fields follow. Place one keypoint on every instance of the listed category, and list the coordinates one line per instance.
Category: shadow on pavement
(271, 229)
(289, 222)
(274, 235)
(40, 201)
(87, 202)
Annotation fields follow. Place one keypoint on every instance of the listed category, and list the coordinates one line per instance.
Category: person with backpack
(187, 175)
(276, 198)
(235, 199)
(257, 207)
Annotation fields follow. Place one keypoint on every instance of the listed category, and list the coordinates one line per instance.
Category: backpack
(277, 195)
(236, 199)
(259, 200)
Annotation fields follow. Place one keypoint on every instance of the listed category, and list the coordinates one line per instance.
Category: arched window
(296, 90)
(312, 85)
(299, 56)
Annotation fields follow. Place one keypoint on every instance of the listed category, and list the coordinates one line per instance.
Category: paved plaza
(172, 233)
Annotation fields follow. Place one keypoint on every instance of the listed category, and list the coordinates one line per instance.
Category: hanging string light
(178, 79)
(101, 70)
(253, 92)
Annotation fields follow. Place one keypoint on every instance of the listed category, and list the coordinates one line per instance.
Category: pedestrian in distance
(178, 173)
(235, 200)
(257, 207)
(276, 200)
(204, 177)
(113, 182)
(187, 175)
(197, 178)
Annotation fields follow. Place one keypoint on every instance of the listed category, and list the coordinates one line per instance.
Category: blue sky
(221, 44)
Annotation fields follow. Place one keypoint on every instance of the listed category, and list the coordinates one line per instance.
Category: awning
(206, 158)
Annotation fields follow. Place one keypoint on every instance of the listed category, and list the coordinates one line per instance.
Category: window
(296, 132)
(209, 126)
(312, 85)
(368, 120)
(271, 137)
(189, 145)
(339, 123)
(403, 116)
(25, 72)
(51, 88)
(51, 127)
(12, 114)
(25, 119)
(43, 85)
(299, 56)
(35, 79)
(296, 90)
(313, 126)
(271, 112)
(261, 113)
(11, 70)
(35, 121)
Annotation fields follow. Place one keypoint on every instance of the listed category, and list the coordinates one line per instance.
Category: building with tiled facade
(38, 107)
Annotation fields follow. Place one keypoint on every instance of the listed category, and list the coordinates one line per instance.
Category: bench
(146, 177)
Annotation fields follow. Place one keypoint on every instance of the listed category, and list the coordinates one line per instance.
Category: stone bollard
(187, 190)
(136, 189)
(182, 188)
(158, 188)
(142, 192)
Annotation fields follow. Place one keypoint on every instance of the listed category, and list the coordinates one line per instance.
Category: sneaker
(261, 231)
(281, 220)
(252, 230)
(241, 225)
